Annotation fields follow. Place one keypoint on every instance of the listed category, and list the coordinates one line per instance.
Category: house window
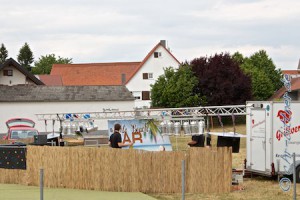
(8, 72)
(150, 75)
(157, 54)
(147, 75)
(145, 95)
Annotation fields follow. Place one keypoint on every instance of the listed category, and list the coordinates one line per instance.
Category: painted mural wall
(139, 132)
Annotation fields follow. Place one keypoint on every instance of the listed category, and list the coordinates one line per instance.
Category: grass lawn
(16, 192)
(255, 188)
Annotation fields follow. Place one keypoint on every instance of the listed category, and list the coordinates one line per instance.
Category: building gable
(150, 69)
(12, 73)
(156, 53)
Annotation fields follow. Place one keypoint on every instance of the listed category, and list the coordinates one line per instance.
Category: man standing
(115, 140)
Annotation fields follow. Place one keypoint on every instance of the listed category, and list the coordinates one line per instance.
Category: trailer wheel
(298, 174)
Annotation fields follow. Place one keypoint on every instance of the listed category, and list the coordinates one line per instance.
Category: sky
(95, 31)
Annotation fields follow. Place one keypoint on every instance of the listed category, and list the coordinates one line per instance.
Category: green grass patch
(16, 192)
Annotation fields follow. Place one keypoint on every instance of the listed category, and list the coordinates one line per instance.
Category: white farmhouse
(136, 76)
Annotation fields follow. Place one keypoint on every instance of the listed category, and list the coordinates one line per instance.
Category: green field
(16, 192)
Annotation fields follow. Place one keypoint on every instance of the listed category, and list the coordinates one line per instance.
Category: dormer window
(7, 72)
(157, 54)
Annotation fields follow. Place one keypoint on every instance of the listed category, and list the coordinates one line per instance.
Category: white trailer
(273, 135)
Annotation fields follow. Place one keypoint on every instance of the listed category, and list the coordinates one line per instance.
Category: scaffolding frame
(188, 113)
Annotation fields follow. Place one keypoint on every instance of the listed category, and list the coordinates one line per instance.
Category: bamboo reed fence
(207, 170)
(25, 141)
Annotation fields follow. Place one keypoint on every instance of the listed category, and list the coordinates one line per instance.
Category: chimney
(163, 43)
(299, 65)
(123, 79)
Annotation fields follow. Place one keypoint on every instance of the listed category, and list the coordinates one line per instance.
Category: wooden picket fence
(207, 170)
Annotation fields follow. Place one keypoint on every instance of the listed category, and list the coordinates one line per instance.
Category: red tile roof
(290, 72)
(295, 83)
(100, 73)
(94, 73)
(51, 80)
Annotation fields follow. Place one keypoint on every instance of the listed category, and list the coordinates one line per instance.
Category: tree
(221, 80)
(175, 88)
(25, 57)
(265, 79)
(262, 87)
(3, 53)
(44, 64)
(238, 57)
(261, 61)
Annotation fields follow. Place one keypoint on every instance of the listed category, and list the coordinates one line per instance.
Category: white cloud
(252, 10)
(284, 57)
(126, 30)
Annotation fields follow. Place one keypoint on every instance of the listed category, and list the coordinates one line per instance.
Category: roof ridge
(99, 63)
(46, 75)
(148, 56)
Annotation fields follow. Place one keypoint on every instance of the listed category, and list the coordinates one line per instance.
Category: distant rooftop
(64, 93)
(295, 85)
(94, 73)
(115, 73)
(50, 80)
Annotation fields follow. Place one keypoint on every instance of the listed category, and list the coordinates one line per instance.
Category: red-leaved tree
(221, 80)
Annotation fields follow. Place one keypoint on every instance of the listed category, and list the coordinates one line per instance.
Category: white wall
(17, 78)
(142, 103)
(152, 65)
(29, 109)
